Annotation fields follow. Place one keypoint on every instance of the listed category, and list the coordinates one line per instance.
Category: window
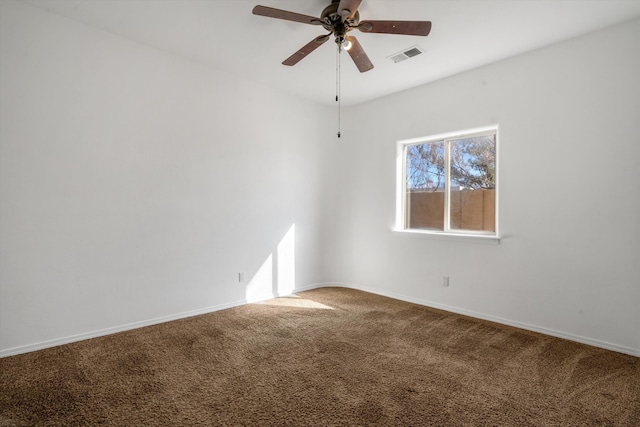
(447, 183)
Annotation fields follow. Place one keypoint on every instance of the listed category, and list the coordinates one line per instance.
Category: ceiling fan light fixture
(346, 44)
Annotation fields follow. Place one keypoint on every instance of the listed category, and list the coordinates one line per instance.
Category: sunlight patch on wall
(277, 274)
(261, 284)
(286, 263)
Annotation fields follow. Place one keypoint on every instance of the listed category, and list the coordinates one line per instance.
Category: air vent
(405, 54)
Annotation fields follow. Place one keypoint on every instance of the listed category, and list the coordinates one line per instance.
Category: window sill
(451, 237)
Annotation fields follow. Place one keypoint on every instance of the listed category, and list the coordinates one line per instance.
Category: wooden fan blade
(306, 50)
(409, 28)
(348, 8)
(358, 55)
(286, 15)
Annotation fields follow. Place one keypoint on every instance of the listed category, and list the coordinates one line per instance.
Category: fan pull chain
(338, 84)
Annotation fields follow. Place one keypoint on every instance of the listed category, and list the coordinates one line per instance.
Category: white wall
(135, 185)
(569, 260)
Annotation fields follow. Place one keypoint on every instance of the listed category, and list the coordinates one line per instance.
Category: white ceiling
(225, 34)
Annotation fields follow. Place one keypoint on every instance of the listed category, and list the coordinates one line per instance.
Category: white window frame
(447, 232)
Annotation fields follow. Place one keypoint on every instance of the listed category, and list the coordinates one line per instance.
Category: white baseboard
(102, 332)
(108, 331)
(559, 334)
(129, 326)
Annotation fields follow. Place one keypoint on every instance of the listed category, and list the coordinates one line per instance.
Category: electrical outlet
(445, 281)
(240, 277)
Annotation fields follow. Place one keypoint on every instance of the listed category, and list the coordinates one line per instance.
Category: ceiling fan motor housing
(333, 21)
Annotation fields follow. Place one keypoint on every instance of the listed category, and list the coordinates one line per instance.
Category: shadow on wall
(277, 274)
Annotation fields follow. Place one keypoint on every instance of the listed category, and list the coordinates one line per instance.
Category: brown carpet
(329, 357)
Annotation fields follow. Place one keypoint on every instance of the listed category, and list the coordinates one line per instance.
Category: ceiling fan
(340, 17)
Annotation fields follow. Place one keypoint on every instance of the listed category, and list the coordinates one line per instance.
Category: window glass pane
(472, 193)
(424, 184)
